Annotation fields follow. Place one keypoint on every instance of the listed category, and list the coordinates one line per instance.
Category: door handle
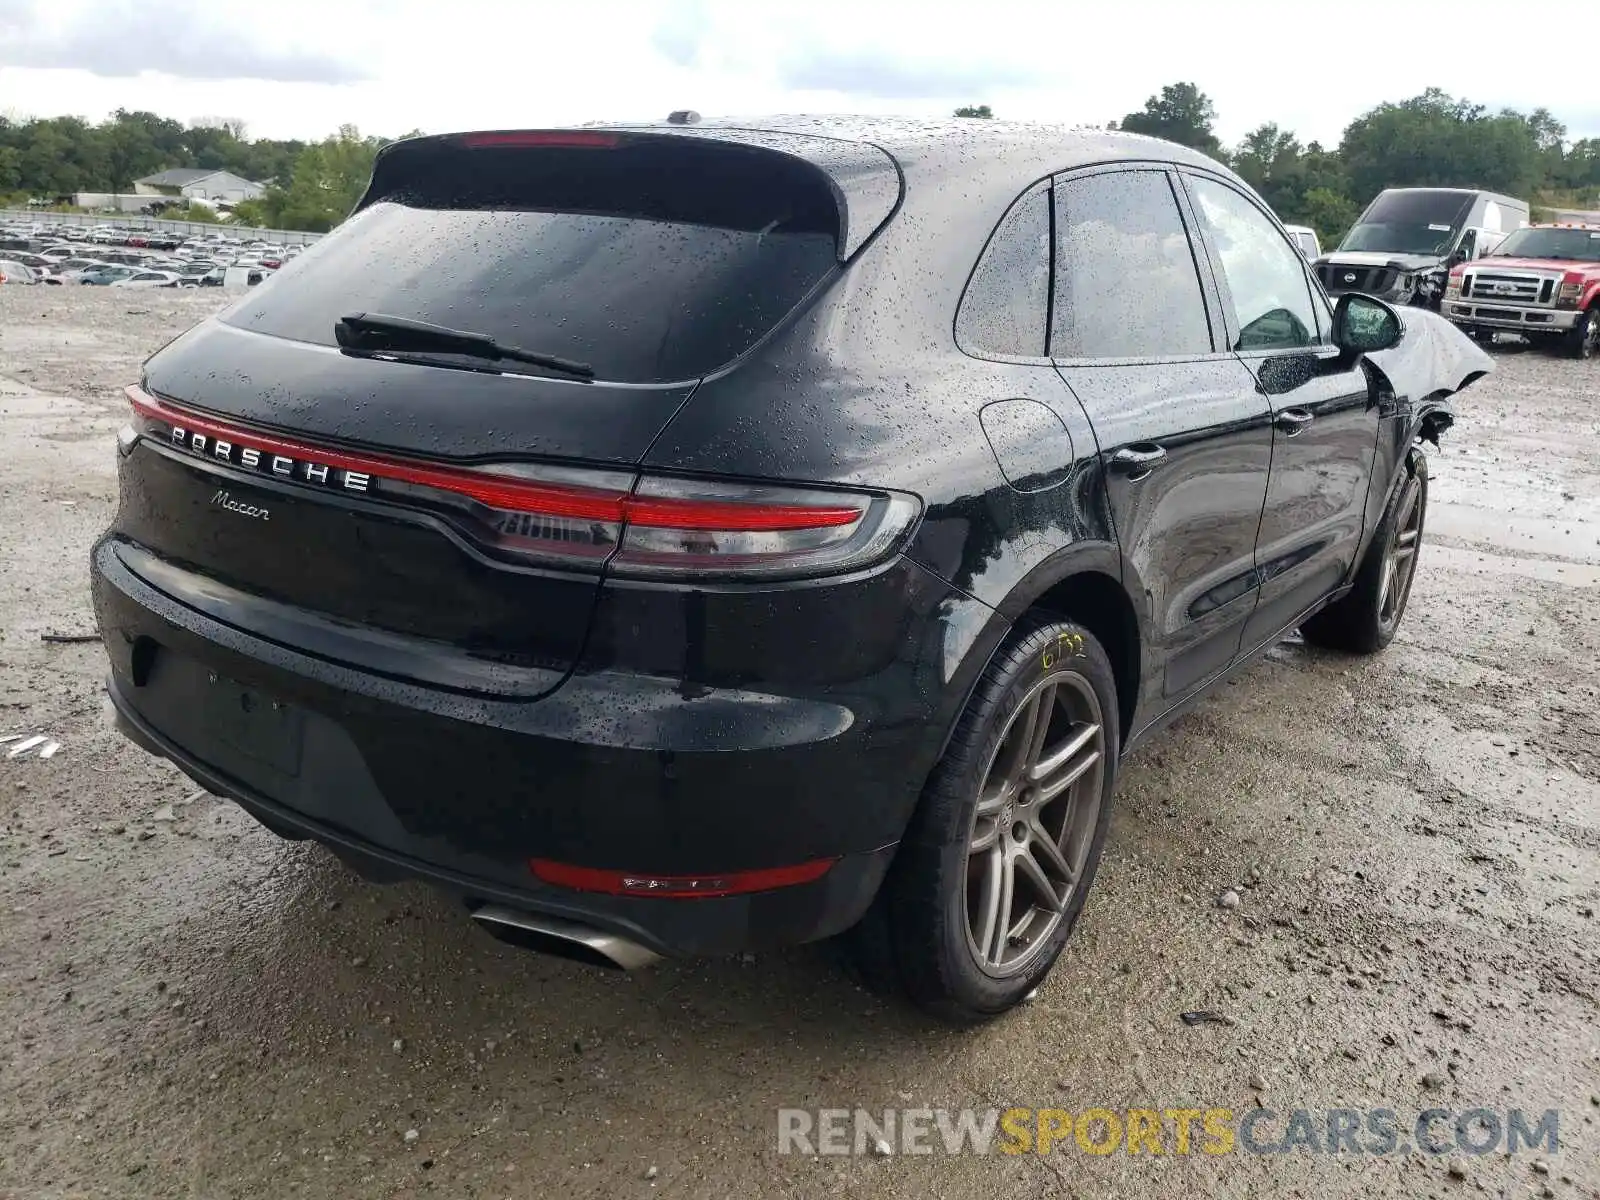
(1138, 460)
(1293, 420)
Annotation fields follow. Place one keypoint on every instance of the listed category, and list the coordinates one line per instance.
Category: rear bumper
(411, 782)
(675, 928)
(1489, 315)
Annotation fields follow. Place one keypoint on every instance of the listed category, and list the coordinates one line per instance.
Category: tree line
(1431, 140)
(310, 185)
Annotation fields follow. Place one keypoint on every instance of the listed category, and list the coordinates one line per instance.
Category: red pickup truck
(1542, 282)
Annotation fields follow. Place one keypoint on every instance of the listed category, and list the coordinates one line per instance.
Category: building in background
(198, 183)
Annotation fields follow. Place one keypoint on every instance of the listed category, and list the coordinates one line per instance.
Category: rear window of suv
(652, 262)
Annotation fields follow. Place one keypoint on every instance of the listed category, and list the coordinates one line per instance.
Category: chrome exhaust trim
(568, 939)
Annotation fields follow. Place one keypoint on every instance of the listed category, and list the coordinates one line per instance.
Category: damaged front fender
(1432, 361)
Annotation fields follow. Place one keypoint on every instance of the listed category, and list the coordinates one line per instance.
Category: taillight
(577, 518)
(678, 527)
(635, 883)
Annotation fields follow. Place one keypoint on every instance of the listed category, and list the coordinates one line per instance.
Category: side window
(1004, 310)
(1266, 277)
(1468, 247)
(1126, 281)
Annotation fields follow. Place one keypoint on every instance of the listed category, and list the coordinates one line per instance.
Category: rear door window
(1126, 285)
(652, 264)
(1006, 308)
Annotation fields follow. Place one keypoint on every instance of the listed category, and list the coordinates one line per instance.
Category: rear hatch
(321, 453)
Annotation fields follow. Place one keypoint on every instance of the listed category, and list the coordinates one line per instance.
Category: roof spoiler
(865, 180)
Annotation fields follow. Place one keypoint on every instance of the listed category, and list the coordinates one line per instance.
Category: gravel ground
(193, 1008)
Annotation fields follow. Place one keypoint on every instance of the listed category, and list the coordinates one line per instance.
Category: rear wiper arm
(374, 333)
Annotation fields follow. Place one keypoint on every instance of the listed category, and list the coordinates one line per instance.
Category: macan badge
(223, 500)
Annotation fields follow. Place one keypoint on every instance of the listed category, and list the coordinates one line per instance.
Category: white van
(1305, 239)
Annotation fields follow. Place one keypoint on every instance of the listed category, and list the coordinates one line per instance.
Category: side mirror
(1283, 373)
(1362, 324)
(1458, 256)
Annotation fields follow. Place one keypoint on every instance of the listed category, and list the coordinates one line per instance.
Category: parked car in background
(101, 276)
(1305, 238)
(148, 279)
(851, 596)
(69, 269)
(40, 264)
(1542, 282)
(1406, 241)
(242, 275)
(191, 273)
(13, 272)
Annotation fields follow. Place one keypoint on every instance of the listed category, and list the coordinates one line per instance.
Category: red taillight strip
(682, 887)
(730, 515)
(509, 494)
(568, 139)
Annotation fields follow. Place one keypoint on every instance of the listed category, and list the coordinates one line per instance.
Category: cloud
(183, 38)
(881, 74)
(680, 35)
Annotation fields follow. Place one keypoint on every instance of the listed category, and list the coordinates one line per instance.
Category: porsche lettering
(252, 458)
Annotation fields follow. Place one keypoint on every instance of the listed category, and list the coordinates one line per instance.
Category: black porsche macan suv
(684, 538)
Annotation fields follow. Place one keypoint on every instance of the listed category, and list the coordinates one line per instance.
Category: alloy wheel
(1400, 563)
(1034, 822)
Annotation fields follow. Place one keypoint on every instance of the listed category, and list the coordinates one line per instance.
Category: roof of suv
(875, 165)
(967, 146)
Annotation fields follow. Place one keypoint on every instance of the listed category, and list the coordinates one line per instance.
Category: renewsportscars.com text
(1179, 1131)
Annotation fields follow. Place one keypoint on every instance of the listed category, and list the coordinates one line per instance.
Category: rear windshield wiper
(374, 333)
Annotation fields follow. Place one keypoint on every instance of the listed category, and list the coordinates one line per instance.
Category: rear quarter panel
(867, 387)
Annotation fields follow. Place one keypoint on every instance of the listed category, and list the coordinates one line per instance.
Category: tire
(1365, 620)
(1583, 339)
(922, 935)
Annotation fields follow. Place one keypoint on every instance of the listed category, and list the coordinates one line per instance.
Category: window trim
(1208, 295)
(1045, 185)
(1324, 347)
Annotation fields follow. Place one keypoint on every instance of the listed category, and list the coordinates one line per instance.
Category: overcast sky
(299, 68)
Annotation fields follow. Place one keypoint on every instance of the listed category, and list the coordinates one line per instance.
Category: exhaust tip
(563, 939)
